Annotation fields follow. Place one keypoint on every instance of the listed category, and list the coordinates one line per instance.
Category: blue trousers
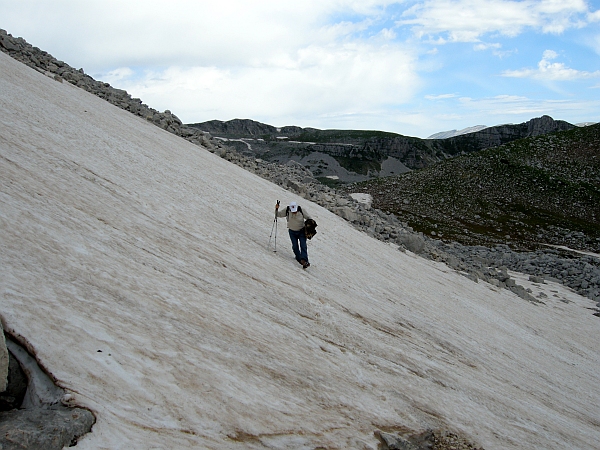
(298, 239)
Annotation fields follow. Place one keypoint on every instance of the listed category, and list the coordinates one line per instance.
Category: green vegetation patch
(535, 191)
(341, 136)
(359, 165)
(330, 182)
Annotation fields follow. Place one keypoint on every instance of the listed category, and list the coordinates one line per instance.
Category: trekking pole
(274, 227)
(276, 223)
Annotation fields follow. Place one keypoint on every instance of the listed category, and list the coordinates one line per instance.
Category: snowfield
(135, 265)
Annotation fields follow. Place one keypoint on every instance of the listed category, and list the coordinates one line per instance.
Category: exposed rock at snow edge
(34, 413)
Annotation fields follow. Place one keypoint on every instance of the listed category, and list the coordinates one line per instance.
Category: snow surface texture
(135, 265)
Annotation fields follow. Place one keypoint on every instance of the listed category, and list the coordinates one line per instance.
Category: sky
(410, 67)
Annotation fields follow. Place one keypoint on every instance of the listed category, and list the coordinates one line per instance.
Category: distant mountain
(538, 190)
(452, 133)
(236, 128)
(359, 155)
(502, 134)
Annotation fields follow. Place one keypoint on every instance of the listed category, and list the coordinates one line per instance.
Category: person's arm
(279, 212)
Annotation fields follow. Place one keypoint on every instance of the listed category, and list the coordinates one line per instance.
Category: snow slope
(453, 133)
(135, 266)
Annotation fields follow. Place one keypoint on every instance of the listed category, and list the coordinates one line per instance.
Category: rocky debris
(445, 440)
(43, 429)
(579, 272)
(475, 262)
(32, 410)
(424, 440)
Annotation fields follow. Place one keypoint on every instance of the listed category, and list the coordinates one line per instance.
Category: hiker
(295, 217)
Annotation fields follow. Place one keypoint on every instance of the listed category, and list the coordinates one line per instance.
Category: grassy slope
(343, 136)
(531, 191)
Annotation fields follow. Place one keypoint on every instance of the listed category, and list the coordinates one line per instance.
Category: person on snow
(295, 217)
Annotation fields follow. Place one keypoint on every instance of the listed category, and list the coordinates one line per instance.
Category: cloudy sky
(411, 67)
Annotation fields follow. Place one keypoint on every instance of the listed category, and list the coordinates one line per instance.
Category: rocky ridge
(381, 225)
(363, 152)
(502, 134)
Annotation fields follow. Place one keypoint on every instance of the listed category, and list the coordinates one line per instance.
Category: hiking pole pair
(274, 227)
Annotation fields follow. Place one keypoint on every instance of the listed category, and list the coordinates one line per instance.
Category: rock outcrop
(237, 128)
(501, 134)
(16, 386)
(3, 361)
(366, 147)
(43, 429)
(34, 413)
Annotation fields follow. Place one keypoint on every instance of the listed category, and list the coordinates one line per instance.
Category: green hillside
(533, 191)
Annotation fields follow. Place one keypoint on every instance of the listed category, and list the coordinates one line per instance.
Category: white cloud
(551, 71)
(594, 43)
(232, 58)
(523, 108)
(440, 97)
(484, 46)
(317, 81)
(594, 16)
(322, 63)
(388, 34)
(149, 32)
(468, 20)
(463, 112)
(495, 49)
(117, 75)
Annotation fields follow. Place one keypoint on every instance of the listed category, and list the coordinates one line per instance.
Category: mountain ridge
(361, 154)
